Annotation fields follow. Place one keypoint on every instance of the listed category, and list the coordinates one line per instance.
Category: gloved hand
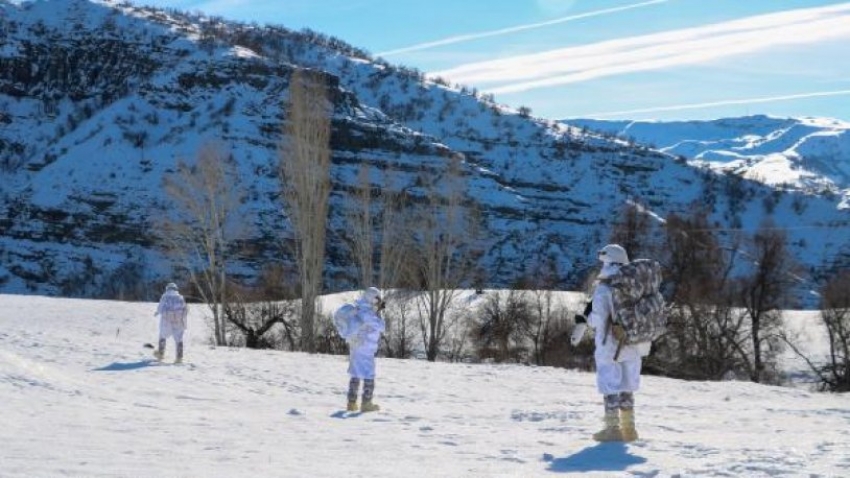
(578, 333)
(618, 332)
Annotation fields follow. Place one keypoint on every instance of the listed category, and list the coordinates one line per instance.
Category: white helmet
(372, 296)
(171, 286)
(613, 254)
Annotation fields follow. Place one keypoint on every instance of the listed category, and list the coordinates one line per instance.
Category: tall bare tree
(305, 160)
(394, 240)
(204, 226)
(394, 233)
(376, 230)
(379, 239)
(360, 230)
(446, 230)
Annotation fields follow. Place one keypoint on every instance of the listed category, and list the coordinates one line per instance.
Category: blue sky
(611, 59)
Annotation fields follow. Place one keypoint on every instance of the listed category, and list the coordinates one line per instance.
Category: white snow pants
(361, 364)
(172, 324)
(615, 377)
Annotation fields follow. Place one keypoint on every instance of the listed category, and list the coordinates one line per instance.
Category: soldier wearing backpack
(618, 363)
(367, 327)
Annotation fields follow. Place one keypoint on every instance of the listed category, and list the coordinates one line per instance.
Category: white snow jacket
(172, 309)
(602, 313)
(365, 340)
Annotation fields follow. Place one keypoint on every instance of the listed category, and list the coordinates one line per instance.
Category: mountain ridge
(86, 144)
(812, 154)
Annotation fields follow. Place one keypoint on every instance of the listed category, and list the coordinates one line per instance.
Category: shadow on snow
(602, 457)
(344, 414)
(122, 366)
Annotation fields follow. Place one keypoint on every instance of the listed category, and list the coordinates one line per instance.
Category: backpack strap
(609, 322)
(609, 325)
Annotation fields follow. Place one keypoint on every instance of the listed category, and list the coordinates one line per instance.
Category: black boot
(179, 358)
(160, 351)
(353, 388)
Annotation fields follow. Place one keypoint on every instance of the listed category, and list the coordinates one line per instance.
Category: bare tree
(632, 230)
(539, 282)
(255, 319)
(328, 340)
(706, 338)
(394, 234)
(258, 310)
(557, 350)
(360, 233)
(377, 232)
(205, 225)
(543, 314)
(399, 337)
(305, 159)
(836, 316)
(501, 330)
(444, 257)
(833, 370)
(764, 295)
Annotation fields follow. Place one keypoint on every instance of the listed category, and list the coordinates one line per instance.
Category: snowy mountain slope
(810, 154)
(100, 99)
(82, 398)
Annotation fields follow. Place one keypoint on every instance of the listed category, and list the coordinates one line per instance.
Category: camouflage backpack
(346, 320)
(637, 302)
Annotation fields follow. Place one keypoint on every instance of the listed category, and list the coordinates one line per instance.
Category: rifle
(619, 347)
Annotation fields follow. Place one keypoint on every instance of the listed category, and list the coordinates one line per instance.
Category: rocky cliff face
(100, 100)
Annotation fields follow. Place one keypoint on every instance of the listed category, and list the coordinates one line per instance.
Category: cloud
(518, 28)
(712, 104)
(657, 51)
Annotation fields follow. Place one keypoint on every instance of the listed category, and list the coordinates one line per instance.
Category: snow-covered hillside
(81, 397)
(809, 154)
(99, 100)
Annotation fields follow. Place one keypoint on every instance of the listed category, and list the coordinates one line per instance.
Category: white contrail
(655, 51)
(518, 28)
(712, 104)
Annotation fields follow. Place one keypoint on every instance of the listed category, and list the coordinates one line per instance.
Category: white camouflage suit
(616, 380)
(363, 345)
(172, 313)
(624, 374)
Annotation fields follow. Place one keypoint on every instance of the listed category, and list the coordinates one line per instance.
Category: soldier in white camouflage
(172, 311)
(363, 344)
(616, 379)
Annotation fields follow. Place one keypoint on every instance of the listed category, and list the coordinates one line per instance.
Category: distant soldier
(172, 310)
(363, 345)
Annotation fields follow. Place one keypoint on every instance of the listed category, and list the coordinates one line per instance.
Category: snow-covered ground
(80, 397)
